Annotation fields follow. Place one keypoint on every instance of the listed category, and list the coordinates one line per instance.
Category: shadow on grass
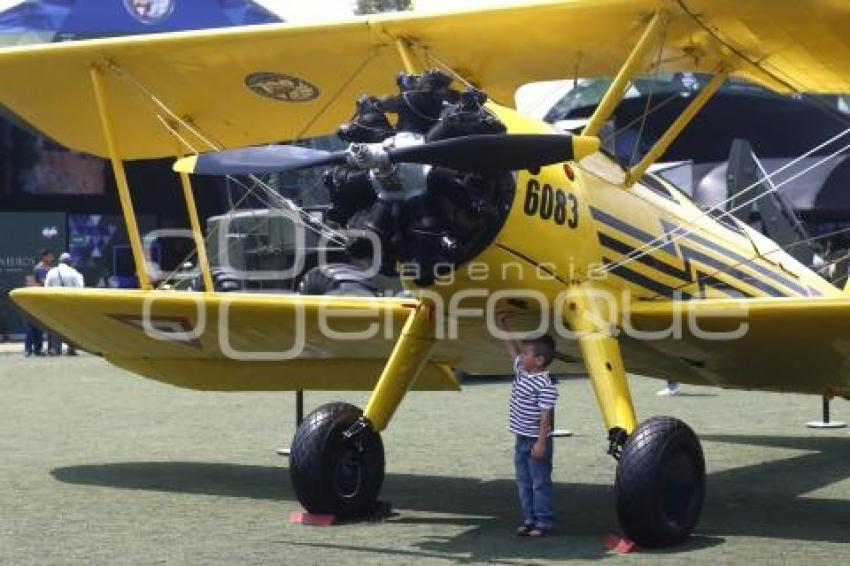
(762, 500)
(485, 510)
(770, 499)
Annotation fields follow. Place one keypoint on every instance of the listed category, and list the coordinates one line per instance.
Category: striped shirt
(530, 393)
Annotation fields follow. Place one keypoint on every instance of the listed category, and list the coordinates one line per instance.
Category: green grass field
(100, 467)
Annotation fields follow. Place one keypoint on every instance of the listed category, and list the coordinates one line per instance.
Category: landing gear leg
(337, 458)
(299, 407)
(660, 483)
(826, 422)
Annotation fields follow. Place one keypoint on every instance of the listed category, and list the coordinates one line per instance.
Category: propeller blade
(485, 152)
(480, 152)
(262, 159)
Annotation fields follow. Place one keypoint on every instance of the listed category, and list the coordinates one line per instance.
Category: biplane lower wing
(235, 342)
(774, 344)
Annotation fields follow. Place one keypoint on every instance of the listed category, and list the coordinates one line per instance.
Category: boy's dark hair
(543, 346)
(45, 252)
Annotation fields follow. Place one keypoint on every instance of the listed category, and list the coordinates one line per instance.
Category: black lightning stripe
(781, 279)
(686, 253)
(682, 274)
(741, 276)
(644, 281)
(647, 260)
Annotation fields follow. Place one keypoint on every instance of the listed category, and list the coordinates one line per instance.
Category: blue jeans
(34, 339)
(534, 480)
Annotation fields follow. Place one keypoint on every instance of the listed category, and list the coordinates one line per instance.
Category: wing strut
(679, 124)
(197, 233)
(632, 66)
(120, 177)
(405, 51)
(126, 199)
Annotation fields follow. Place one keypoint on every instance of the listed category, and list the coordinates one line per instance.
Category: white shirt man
(63, 275)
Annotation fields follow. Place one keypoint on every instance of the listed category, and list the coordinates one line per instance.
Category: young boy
(533, 397)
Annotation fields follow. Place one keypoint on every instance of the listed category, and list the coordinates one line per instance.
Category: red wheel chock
(312, 519)
(619, 544)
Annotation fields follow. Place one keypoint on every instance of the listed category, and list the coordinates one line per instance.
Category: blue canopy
(59, 20)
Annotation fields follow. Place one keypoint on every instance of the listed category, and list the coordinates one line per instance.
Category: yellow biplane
(501, 215)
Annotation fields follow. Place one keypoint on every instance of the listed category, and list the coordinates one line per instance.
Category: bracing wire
(683, 233)
(773, 189)
(662, 239)
(429, 54)
(335, 96)
(306, 220)
(277, 200)
(649, 112)
(281, 202)
(680, 230)
(645, 113)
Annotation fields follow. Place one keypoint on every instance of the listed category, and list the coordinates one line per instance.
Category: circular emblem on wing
(281, 87)
(149, 11)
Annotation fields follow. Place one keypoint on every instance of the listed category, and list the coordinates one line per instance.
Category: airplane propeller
(480, 152)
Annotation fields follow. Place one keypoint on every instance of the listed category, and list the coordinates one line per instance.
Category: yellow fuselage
(562, 228)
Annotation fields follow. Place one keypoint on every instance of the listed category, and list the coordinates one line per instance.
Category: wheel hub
(348, 472)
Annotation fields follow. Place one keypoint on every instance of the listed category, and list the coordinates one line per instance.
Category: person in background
(671, 389)
(34, 339)
(63, 275)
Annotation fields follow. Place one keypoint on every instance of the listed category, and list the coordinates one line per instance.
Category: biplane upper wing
(269, 83)
(783, 344)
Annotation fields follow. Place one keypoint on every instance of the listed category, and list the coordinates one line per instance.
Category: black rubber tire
(336, 279)
(331, 474)
(660, 486)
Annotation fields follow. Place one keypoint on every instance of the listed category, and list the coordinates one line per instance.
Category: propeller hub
(377, 155)
(368, 156)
